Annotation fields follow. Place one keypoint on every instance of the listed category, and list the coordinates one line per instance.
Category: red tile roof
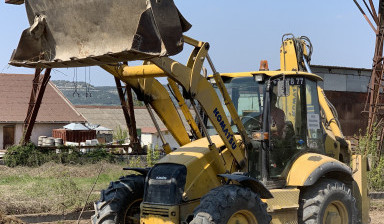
(15, 90)
(151, 130)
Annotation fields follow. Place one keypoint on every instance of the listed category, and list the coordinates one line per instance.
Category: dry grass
(377, 204)
(53, 188)
(9, 220)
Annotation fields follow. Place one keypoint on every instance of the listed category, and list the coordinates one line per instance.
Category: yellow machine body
(204, 162)
(203, 166)
(70, 33)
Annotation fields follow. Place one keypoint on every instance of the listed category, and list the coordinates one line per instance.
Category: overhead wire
(75, 92)
(89, 82)
(85, 80)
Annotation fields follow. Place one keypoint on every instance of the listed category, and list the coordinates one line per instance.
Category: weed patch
(53, 187)
(368, 145)
(32, 156)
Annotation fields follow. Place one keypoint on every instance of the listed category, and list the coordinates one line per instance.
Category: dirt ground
(377, 217)
(376, 214)
(377, 211)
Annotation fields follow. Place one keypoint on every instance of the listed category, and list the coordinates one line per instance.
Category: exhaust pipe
(77, 33)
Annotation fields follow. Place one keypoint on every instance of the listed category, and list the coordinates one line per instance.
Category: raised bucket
(77, 33)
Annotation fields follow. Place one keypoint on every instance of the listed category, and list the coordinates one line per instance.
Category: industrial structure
(375, 99)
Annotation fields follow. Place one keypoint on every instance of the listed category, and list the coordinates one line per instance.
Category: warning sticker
(313, 121)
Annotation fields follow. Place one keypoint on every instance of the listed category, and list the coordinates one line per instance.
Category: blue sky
(241, 33)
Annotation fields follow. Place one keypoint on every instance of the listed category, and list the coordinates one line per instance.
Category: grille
(151, 210)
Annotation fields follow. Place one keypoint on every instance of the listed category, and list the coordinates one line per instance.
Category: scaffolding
(375, 100)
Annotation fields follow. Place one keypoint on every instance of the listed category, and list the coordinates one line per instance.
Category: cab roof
(271, 74)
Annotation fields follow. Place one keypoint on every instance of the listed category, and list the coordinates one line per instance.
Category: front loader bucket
(76, 33)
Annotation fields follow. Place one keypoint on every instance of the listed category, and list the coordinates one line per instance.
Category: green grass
(54, 188)
(59, 188)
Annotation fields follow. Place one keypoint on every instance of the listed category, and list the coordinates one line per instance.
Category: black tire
(221, 204)
(318, 200)
(120, 202)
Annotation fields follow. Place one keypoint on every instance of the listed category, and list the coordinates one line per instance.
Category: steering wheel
(251, 124)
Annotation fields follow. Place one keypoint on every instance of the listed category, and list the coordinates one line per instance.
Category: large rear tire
(328, 201)
(230, 204)
(120, 202)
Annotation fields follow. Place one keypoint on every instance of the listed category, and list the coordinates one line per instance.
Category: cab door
(294, 122)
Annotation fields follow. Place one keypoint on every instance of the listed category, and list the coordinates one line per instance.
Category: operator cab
(285, 108)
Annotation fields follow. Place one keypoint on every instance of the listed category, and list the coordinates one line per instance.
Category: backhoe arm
(331, 119)
(294, 56)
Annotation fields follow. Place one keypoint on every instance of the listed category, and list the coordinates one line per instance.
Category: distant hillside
(96, 95)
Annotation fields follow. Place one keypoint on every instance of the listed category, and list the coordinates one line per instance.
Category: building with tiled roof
(55, 111)
(112, 117)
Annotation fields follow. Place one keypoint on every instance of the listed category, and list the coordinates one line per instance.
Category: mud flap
(74, 33)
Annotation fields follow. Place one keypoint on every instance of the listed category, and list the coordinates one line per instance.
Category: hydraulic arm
(152, 91)
(295, 54)
(197, 86)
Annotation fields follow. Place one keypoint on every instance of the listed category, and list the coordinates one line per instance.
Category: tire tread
(113, 200)
(216, 203)
(313, 198)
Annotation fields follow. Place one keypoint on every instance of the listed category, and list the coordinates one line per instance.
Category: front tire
(231, 204)
(328, 201)
(120, 202)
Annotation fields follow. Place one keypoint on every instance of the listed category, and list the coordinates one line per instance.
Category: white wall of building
(343, 79)
(45, 130)
(154, 139)
(146, 139)
(38, 130)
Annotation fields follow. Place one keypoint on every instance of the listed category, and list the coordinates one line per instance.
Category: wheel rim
(335, 213)
(132, 214)
(243, 217)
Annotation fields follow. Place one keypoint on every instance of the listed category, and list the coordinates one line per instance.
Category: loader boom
(151, 91)
(198, 87)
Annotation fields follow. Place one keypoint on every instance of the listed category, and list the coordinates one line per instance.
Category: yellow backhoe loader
(266, 147)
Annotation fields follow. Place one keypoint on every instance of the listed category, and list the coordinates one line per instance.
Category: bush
(97, 155)
(23, 156)
(153, 155)
(120, 135)
(30, 155)
(368, 145)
